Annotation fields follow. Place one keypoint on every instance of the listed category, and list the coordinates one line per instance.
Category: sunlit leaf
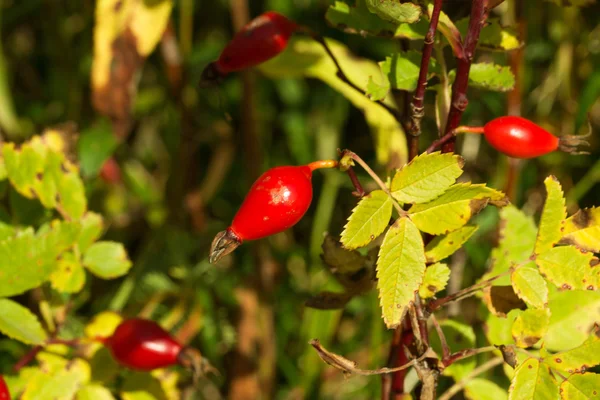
(402, 70)
(580, 387)
(18, 323)
(435, 280)
(61, 386)
(426, 177)
(583, 230)
(530, 326)
(569, 268)
(454, 208)
(493, 36)
(94, 392)
(553, 216)
(368, 220)
(107, 260)
(489, 76)
(92, 226)
(395, 12)
(533, 380)
(482, 389)
(444, 246)
(530, 286)
(578, 359)
(400, 270)
(69, 276)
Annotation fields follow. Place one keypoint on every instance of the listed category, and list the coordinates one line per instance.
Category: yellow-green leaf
(530, 326)
(368, 220)
(69, 276)
(493, 35)
(401, 70)
(61, 385)
(94, 392)
(569, 268)
(553, 216)
(426, 177)
(482, 389)
(581, 387)
(435, 280)
(578, 359)
(454, 208)
(107, 260)
(92, 226)
(400, 270)
(18, 323)
(395, 12)
(444, 246)
(530, 286)
(583, 230)
(533, 381)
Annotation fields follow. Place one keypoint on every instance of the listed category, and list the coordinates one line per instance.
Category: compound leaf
(444, 246)
(400, 270)
(568, 268)
(553, 216)
(530, 286)
(18, 323)
(583, 230)
(368, 220)
(533, 380)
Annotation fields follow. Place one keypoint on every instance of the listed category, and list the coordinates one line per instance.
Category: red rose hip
(276, 201)
(4, 394)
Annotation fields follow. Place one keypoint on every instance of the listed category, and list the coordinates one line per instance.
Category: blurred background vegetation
(189, 155)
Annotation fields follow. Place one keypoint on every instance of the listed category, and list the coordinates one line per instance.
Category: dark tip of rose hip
(210, 76)
(192, 360)
(224, 243)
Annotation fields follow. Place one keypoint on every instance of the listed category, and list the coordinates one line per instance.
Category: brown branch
(479, 11)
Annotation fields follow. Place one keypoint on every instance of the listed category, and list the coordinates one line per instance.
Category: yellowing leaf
(69, 277)
(530, 326)
(444, 246)
(400, 270)
(553, 216)
(532, 381)
(569, 268)
(435, 280)
(18, 323)
(368, 220)
(583, 230)
(426, 177)
(61, 385)
(578, 359)
(581, 387)
(529, 285)
(103, 325)
(454, 208)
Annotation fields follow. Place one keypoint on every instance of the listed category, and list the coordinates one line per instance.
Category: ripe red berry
(276, 201)
(520, 138)
(4, 394)
(110, 172)
(258, 41)
(143, 345)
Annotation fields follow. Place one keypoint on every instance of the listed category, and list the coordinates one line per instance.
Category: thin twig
(462, 354)
(443, 342)
(458, 386)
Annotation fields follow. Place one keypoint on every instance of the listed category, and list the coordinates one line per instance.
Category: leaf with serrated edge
(18, 323)
(368, 220)
(569, 268)
(493, 77)
(435, 280)
(517, 238)
(444, 246)
(530, 326)
(529, 285)
(454, 208)
(583, 230)
(400, 270)
(395, 12)
(426, 177)
(533, 380)
(553, 216)
(107, 260)
(580, 387)
(578, 359)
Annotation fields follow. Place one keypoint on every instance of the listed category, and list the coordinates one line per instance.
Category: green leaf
(580, 387)
(493, 36)
(95, 146)
(459, 336)
(400, 270)
(368, 220)
(69, 277)
(529, 285)
(435, 280)
(533, 380)
(578, 359)
(304, 57)
(426, 177)
(498, 330)
(454, 208)
(493, 77)
(583, 230)
(482, 389)
(402, 69)
(18, 323)
(444, 246)
(94, 392)
(530, 326)
(517, 239)
(376, 91)
(394, 11)
(569, 268)
(92, 226)
(107, 260)
(553, 216)
(574, 313)
(28, 259)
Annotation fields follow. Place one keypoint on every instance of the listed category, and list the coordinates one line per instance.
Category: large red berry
(143, 345)
(275, 202)
(520, 138)
(258, 41)
(4, 394)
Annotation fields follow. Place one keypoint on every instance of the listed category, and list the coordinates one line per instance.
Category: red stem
(459, 103)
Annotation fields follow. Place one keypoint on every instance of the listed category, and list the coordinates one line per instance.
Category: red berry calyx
(570, 143)
(224, 243)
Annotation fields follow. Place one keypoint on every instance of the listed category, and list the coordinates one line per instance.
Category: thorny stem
(458, 386)
(479, 11)
(416, 107)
